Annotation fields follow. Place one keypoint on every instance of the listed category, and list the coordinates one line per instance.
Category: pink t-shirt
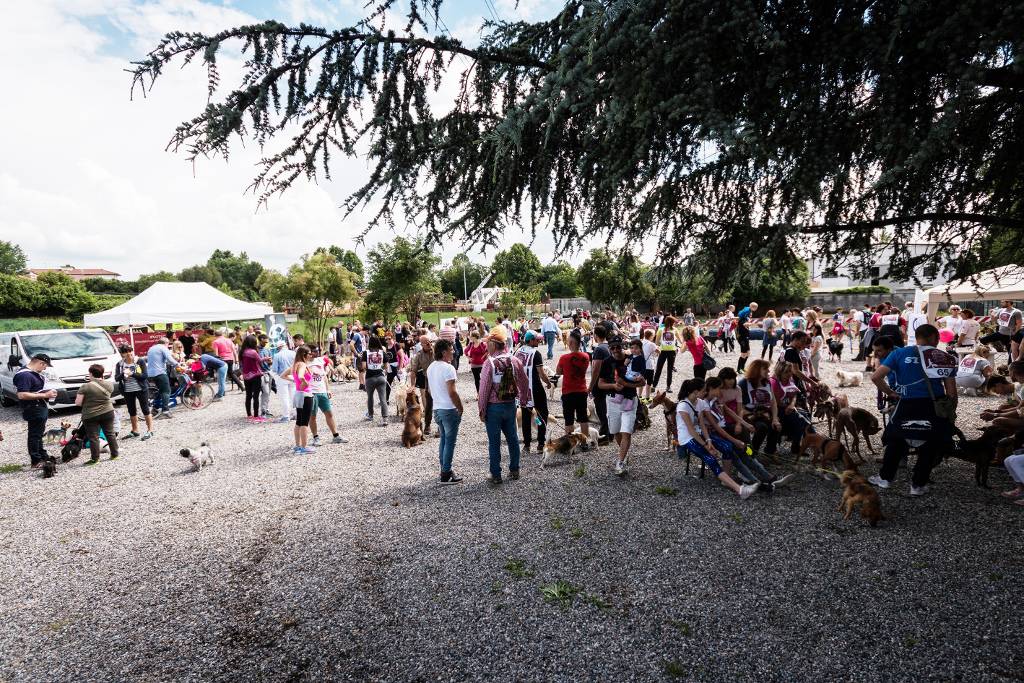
(224, 348)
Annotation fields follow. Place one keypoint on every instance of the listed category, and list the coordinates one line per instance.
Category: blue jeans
(163, 388)
(549, 337)
(222, 376)
(447, 421)
(501, 417)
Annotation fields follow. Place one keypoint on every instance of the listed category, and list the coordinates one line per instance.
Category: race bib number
(937, 364)
(1004, 318)
(375, 361)
(761, 396)
(968, 363)
(890, 320)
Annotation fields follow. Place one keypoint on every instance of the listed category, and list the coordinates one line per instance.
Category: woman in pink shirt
(225, 350)
(695, 345)
(252, 376)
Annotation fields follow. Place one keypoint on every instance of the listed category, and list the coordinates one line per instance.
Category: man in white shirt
(549, 328)
(441, 378)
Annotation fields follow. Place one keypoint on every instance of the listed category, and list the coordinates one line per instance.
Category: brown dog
(824, 450)
(567, 446)
(856, 422)
(669, 407)
(412, 432)
(828, 410)
(857, 491)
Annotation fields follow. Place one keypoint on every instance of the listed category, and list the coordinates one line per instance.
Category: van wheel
(6, 401)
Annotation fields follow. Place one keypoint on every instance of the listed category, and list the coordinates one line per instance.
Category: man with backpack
(502, 381)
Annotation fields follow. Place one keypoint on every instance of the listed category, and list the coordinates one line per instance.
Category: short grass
(517, 568)
(560, 592)
(19, 324)
(10, 468)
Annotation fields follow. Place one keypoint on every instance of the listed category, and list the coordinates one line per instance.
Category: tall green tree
(462, 277)
(560, 280)
(237, 272)
(145, 281)
(201, 273)
(12, 258)
(315, 286)
(349, 259)
(402, 277)
(614, 278)
(708, 127)
(516, 266)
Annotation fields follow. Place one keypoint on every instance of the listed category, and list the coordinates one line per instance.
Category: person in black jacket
(130, 374)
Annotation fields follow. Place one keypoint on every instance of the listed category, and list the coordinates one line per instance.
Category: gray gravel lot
(353, 564)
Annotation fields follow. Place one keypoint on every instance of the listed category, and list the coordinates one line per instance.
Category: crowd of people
(612, 365)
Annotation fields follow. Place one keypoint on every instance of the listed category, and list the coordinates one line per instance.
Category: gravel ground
(353, 564)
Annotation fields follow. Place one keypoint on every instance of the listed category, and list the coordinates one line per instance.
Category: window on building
(875, 274)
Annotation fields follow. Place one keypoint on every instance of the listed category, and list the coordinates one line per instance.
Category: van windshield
(64, 345)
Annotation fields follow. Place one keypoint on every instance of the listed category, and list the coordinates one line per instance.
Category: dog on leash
(849, 379)
(669, 408)
(824, 450)
(857, 422)
(412, 430)
(57, 435)
(200, 458)
(857, 491)
(827, 410)
(567, 446)
(50, 467)
(835, 350)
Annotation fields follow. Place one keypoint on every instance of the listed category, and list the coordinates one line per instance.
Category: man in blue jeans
(29, 383)
(158, 358)
(441, 376)
(549, 328)
(214, 364)
(497, 402)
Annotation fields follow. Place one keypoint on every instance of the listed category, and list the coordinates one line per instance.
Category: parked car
(71, 351)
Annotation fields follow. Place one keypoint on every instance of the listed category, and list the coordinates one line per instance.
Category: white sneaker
(879, 482)
(747, 490)
(918, 491)
(620, 467)
(782, 480)
(316, 441)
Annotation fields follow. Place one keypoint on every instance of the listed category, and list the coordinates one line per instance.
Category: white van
(72, 351)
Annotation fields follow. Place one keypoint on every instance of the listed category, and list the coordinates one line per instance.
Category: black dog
(978, 451)
(50, 467)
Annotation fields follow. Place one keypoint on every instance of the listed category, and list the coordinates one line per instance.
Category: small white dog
(199, 459)
(848, 379)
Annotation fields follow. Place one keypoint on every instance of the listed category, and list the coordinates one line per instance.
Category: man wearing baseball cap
(533, 364)
(29, 383)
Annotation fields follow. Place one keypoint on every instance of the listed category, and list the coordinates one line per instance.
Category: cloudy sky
(85, 178)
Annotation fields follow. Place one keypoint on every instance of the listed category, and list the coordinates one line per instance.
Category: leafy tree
(515, 301)
(60, 295)
(315, 286)
(517, 266)
(347, 258)
(402, 277)
(237, 272)
(144, 281)
(614, 278)
(18, 296)
(12, 258)
(201, 273)
(711, 126)
(451, 278)
(558, 280)
(99, 285)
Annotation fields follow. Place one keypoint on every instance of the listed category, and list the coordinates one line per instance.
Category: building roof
(80, 272)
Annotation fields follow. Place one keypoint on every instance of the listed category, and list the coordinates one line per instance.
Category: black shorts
(574, 407)
(130, 399)
(649, 376)
(744, 343)
(303, 414)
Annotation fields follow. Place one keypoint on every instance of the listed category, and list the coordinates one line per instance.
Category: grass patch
(560, 592)
(665, 490)
(675, 669)
(495, 586)
(736, 517)
(598, 602)
(557, 523)
(576, 532)
(910, 641)
(19, 324)
(580, 470)
(517, 568)
(58, 626)
(919, 565)
(11, 468)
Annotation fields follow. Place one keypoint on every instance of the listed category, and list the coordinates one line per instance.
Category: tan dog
(669, 408)
(412, 432)
(567, 446)
(828, 410)
(857, 422)
(824, 450)
(857, 491)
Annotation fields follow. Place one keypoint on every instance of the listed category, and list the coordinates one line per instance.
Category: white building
(827, 276)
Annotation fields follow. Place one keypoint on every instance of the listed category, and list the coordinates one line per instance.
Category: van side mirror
(14, 361)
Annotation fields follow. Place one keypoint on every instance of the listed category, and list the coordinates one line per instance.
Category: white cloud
(86, 178)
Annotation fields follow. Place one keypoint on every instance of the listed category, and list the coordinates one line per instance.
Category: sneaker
(164, 416)
(620, 468)
(216, 399)
(267, 413)
(147, 436)
(879, 482)
(493, 480)
(450, 478)
(384, 422)
(368, 417)
(130, 435)
(514, 474)
(283, 419)
(296, 450)
(339, 439)
(918, 490)
(747, 490)
(316, 441)
(306, 451)
(782, 480)
(113, 456)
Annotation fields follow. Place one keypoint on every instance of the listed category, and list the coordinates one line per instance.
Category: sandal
(1015, 493)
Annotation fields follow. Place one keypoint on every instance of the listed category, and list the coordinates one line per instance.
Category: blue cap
(529, 336)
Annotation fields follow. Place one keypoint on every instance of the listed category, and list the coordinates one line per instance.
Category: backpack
(643, 416)
(507, 389)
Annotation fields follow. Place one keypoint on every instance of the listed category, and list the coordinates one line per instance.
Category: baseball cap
(43, 357)
(529, 336)
(615, 341)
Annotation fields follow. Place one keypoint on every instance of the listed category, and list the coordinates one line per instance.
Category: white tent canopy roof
(1005, 282)
(178, 302)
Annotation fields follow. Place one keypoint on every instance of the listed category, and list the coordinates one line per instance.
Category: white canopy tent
(1005, 282)
(178, 302)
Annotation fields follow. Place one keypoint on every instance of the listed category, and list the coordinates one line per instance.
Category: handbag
(945, 407)
(708, 362)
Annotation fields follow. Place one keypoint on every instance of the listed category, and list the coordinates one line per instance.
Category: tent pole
(131, 336)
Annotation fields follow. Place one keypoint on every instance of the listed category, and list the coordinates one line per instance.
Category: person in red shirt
(477, 353)
(572, 367)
